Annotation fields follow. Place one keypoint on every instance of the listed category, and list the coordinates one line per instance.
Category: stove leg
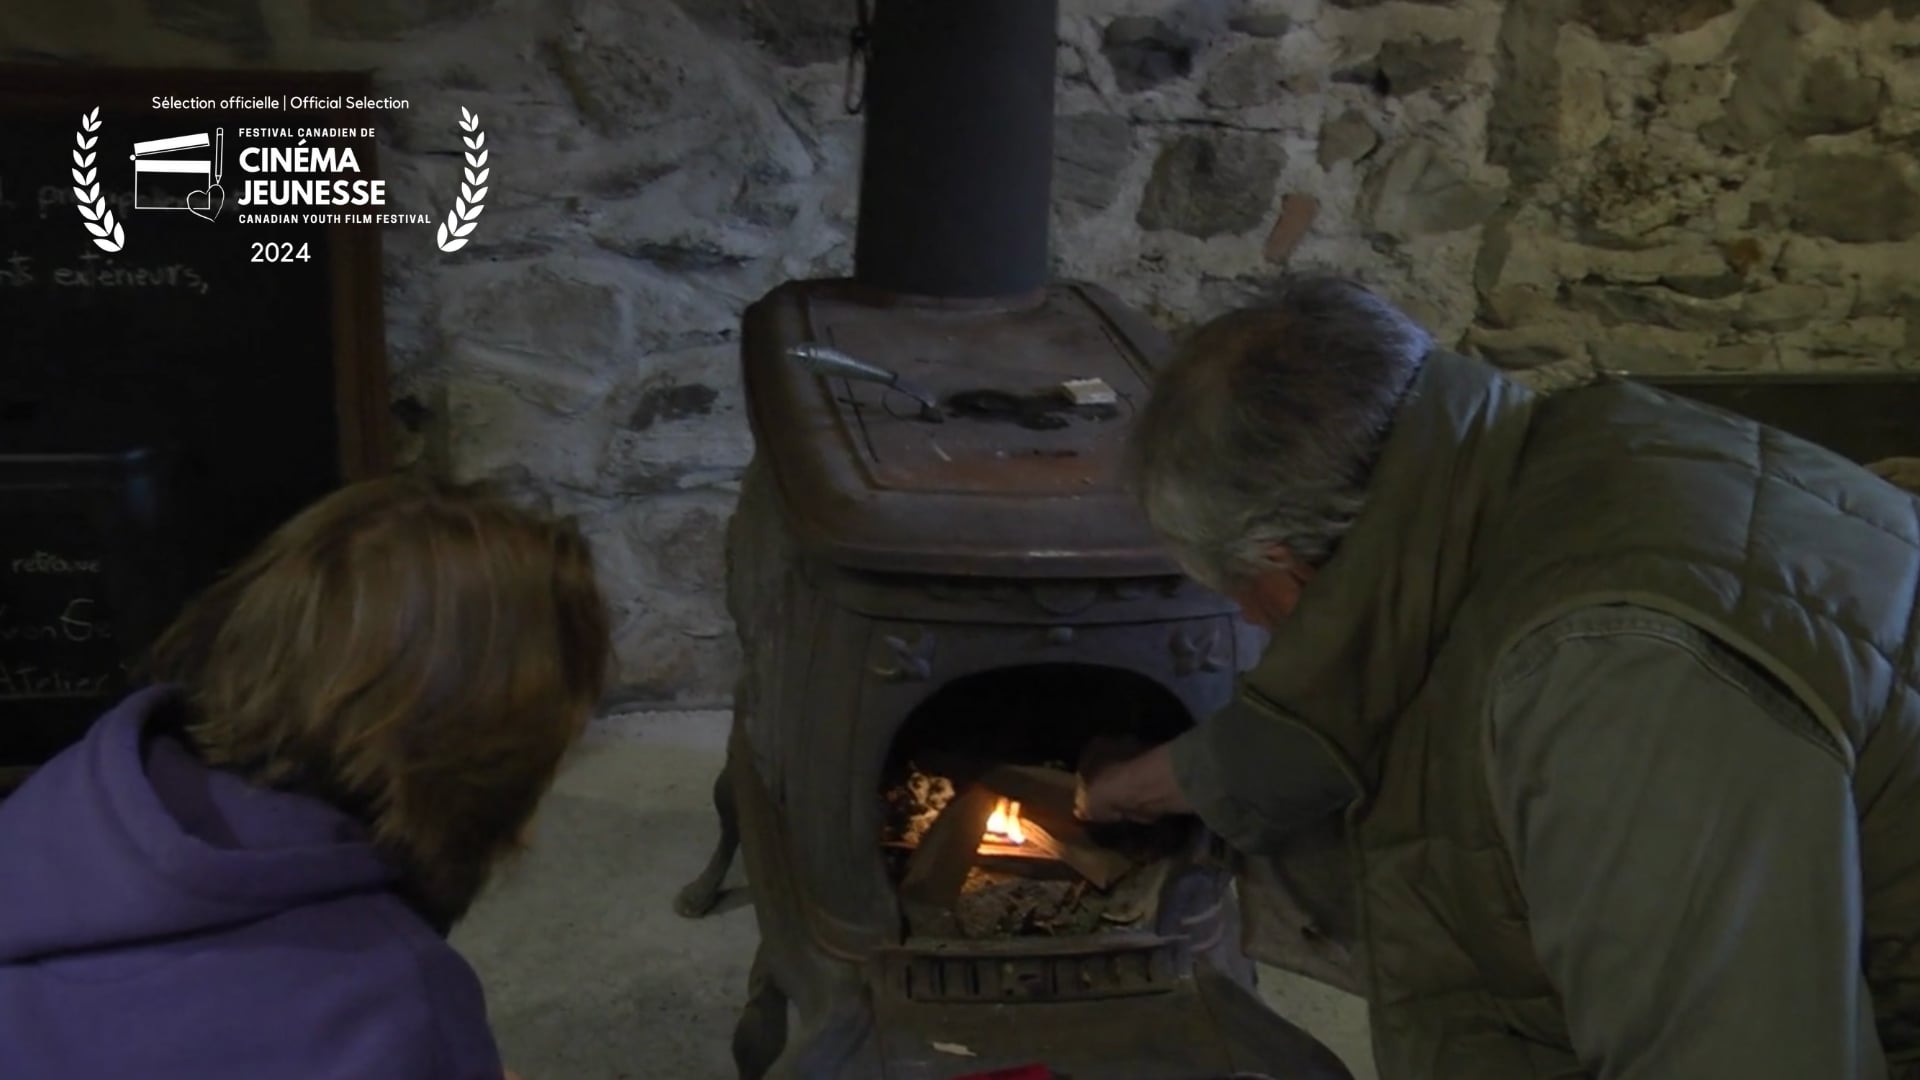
(761, 1033)
(703, 893)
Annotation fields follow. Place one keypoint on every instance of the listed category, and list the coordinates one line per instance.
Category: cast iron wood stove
(942, 609)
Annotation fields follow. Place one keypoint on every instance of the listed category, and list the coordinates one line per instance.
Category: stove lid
(1008, 484)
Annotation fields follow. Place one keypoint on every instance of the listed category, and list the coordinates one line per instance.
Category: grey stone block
(1212, 185)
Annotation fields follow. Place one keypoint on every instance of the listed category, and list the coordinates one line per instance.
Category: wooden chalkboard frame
(1864, 416)
(361, 382)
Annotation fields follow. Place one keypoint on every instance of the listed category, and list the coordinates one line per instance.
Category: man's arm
(1142, 788)
(1686, 841)
(1253, 777)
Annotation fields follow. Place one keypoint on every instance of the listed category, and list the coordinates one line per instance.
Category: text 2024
(272, 252)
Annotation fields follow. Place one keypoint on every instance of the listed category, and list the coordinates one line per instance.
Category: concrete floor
(589, 973)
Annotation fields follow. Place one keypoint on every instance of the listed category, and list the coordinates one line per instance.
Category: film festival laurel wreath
(466, 209)
(107, 232)
(110, 236)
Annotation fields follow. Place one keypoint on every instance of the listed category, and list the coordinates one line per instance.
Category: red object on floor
(1024, 1072)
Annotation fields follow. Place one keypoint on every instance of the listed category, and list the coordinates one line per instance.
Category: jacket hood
(127, 837)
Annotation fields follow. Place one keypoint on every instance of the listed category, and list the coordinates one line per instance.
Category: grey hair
(1264, 428)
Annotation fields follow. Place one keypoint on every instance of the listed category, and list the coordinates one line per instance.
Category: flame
(1003, 825)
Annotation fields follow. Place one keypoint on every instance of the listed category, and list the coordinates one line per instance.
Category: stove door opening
(979, 834)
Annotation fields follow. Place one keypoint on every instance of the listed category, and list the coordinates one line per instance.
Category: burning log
(938, 867)
(1043, 793)
(1046, 800)
(1099, 865)
(1042, 801)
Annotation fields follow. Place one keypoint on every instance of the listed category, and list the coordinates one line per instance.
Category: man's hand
(1900, 471)
(1141, 789)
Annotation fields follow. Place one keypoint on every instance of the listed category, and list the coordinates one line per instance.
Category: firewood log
(1046, 808)
(939, 866)
(1042, 793)
(1100, 865)
(1045, 795)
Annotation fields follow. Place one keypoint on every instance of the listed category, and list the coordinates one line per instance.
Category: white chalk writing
(29, 681)
(20, 271)
(54, 199)
(74, 624)
(17, 271)
(46, 562)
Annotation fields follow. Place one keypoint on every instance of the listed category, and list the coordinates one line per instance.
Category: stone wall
(1706, 184)
(1557, 184)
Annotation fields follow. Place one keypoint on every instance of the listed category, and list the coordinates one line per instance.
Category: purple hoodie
(163, 920)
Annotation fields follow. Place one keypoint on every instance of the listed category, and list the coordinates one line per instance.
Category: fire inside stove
(1003, 827)
(980, 833)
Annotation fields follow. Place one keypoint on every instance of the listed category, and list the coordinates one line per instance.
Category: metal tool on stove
(827, 360)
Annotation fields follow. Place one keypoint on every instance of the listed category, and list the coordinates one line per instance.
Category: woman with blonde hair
(247, 870)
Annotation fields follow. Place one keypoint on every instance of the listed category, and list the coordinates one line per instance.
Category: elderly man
(1616, 698)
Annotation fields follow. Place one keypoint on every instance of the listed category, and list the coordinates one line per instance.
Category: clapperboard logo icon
(162, 182)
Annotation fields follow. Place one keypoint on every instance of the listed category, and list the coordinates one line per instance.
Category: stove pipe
(958, 165)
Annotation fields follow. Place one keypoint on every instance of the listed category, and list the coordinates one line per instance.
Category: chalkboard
(87, 568)
(164, 406)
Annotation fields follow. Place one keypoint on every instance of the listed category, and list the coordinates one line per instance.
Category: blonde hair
(420, 655)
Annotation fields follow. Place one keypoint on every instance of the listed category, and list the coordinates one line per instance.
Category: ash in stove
(995, 904)
(1001, 905)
